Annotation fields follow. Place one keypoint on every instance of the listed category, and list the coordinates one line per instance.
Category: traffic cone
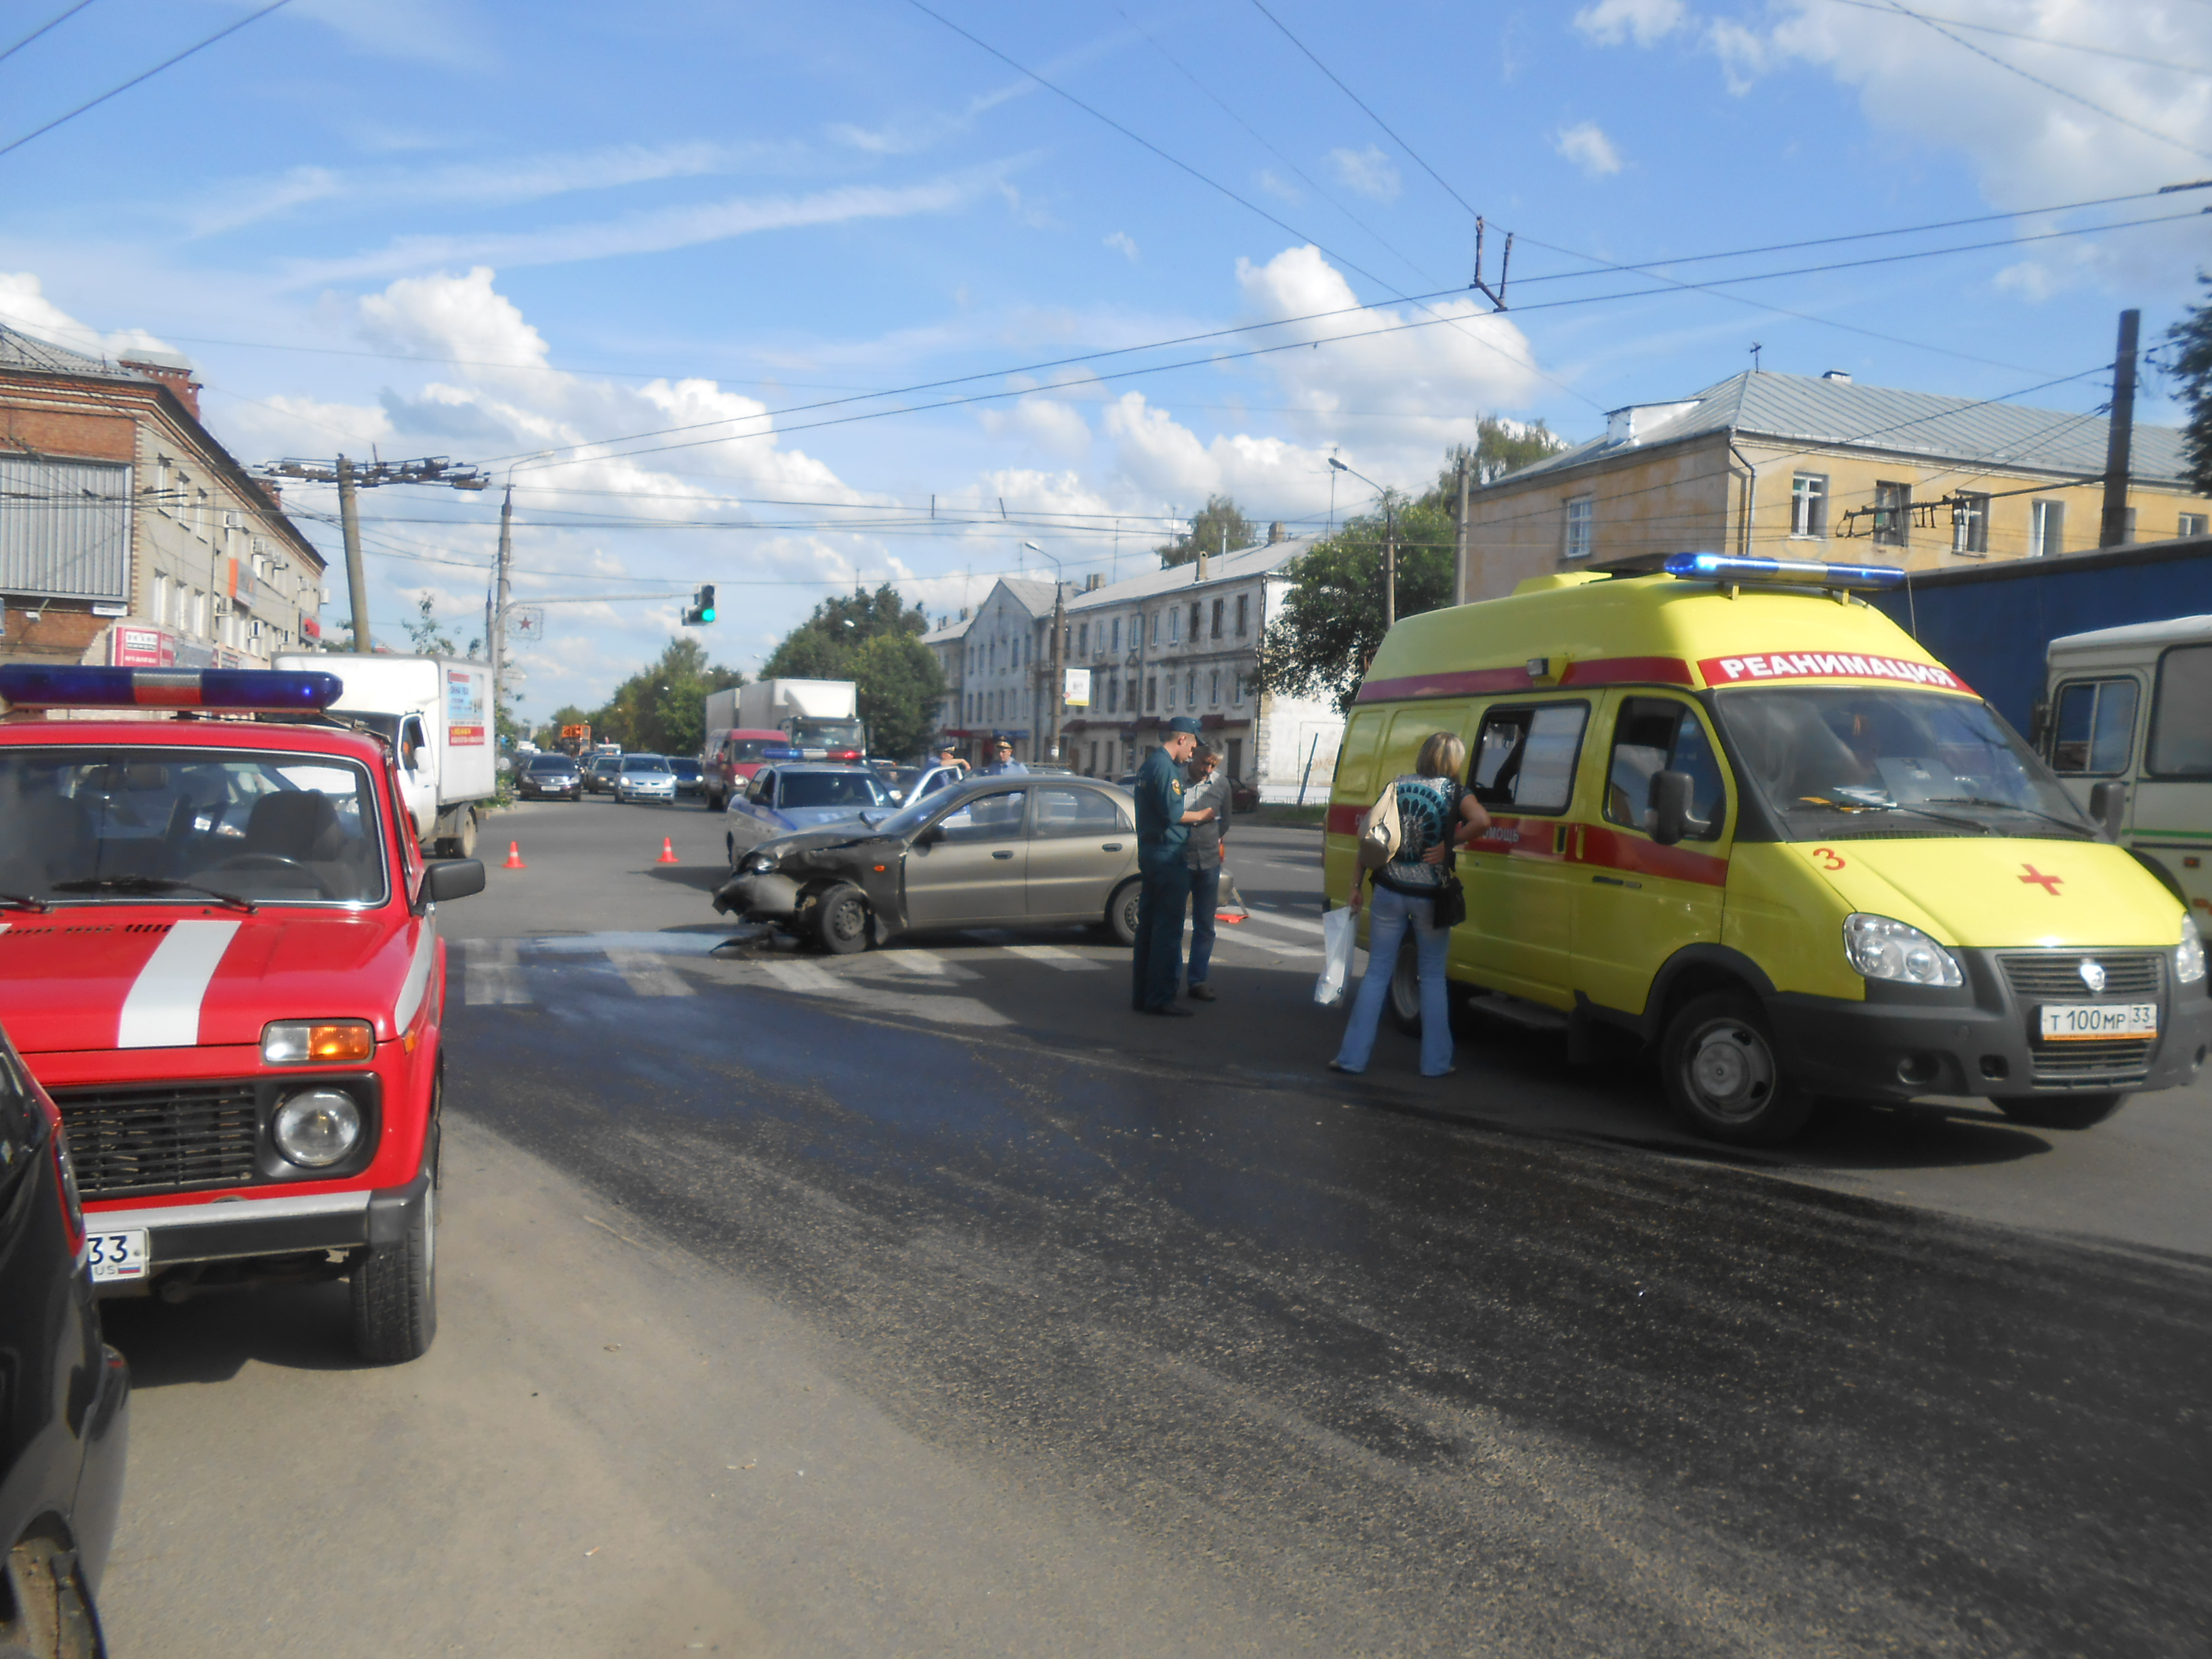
(514, 857)
(668, 851)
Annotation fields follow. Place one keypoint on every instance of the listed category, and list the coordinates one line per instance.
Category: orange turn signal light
(317, 1042)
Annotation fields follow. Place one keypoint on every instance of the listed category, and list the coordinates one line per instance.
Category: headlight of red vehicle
(317, 1042)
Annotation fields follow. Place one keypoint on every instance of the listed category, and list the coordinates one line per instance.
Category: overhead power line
(2037, 39)
(49, 23)
(135, 80)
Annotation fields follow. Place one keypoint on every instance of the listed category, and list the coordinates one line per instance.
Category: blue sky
(513, 233)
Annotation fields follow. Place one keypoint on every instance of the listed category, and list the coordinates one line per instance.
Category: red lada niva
(219, 953)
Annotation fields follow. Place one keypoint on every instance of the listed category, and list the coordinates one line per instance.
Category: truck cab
(2126, 724)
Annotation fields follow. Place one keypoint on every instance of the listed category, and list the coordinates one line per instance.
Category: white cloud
(24, 305)
(1281, 189)
(1368, 171)
(1123, 244)
(1586, 145)
(1611, 22)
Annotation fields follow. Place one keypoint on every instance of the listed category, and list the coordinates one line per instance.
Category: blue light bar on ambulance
(229, 690)
(1725, 567)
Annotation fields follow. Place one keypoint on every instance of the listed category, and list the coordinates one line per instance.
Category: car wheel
(1121, 912)
(1724, 1077)
(2059, 1111)
(1405, 989)
(841, 920)
(395, 1288)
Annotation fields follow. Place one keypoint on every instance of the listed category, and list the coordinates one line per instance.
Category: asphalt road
(929, 1302)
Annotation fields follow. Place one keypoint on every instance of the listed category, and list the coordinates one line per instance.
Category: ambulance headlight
(2189, 958)
(1882, 949)
(317, 1127)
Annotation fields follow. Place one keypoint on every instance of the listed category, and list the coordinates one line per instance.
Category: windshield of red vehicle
(1857, 762)
(113, 825)
(830, 789)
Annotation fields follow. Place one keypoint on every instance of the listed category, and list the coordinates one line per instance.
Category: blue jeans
(1388, 916)
(1205, 899)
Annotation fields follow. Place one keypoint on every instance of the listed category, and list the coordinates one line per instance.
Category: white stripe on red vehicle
(163, 1008)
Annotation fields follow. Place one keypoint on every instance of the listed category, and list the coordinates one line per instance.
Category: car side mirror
(451, 878)
(2108, 804)
(1672, 794)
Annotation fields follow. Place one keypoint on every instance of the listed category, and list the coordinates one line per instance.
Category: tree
(547, 735)
(1220, 520)
(661, 709)
(1499, 447)
(428, 637)
(2191, 366)
(1331, 618)
(875, 640)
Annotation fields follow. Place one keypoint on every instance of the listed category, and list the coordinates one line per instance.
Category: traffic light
(702, 606)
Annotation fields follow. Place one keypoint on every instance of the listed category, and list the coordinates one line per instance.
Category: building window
(1216, 632)
(1175, 627)
(1171, 691)
(1133, 696)
(1808, 504)
(1893, 508)
(1155, 628)
(162, 601)
(1152, 684)
(2193, 524)
(1236, 688)
(1083, 639)
(1243, 605)
(1190, 690)
(1113, 695)
(1578, 525)
(2046, 529)
(1970, 524)
(1216, 697)
(1194, 620)
(1117, 637)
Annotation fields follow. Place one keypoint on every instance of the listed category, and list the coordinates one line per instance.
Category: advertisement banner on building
(1075, 687)
(465, 707)
(136, 646)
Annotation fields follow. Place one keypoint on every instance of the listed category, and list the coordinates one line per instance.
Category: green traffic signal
(702, 603)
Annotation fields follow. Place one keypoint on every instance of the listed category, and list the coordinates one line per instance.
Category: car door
(1637, 903)
(1081, 846)
(1520, 913)
(967, 868)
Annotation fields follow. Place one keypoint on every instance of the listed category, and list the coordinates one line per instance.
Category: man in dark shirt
(1162, 827)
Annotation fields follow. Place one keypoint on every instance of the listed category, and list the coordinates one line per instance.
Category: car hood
(134, 978)
(851, 833)
(1997, 891)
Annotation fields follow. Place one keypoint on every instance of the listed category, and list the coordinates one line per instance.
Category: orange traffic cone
(514, 857)
(668, 851)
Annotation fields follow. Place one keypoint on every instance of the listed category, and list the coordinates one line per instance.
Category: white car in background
(645, 777)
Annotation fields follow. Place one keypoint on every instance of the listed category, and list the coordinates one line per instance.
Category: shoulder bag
(1378, 830)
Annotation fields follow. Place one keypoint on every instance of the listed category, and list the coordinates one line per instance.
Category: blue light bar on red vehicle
(230, 691)
(1725, 567)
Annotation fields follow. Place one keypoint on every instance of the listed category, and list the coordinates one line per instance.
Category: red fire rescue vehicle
(219, 952)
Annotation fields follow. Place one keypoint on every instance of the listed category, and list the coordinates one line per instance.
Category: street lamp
(1053, 667)
(1389, 544)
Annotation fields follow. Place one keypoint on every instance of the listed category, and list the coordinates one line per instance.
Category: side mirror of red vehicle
(451, 878)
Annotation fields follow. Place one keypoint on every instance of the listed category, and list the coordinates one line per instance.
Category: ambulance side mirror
(2108, 805)
(1672, 795)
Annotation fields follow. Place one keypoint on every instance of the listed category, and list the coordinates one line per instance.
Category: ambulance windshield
(1844, 761)
(112, 825)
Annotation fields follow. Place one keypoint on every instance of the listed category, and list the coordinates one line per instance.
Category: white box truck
(816, 716)
(436, 714)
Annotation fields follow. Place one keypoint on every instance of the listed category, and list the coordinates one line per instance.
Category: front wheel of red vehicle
(395, 1288)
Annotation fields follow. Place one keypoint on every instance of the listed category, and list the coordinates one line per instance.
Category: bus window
(2180, 725)
(2095, 727)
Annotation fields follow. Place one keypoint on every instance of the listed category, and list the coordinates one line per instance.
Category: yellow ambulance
(1737, 812)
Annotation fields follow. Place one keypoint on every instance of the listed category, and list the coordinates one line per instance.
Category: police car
(219, 952)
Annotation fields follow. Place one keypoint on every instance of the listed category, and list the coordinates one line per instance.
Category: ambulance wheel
(1121, 912)
(841, 920)
(1723, 1076)
(2059, 1111)
(395, 1288)
(1405, 989)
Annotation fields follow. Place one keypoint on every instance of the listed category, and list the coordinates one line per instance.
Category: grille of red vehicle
(163, 1138)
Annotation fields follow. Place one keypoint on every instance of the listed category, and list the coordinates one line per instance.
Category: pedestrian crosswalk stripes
(648, 975)
(493, 971)
(1054, 956)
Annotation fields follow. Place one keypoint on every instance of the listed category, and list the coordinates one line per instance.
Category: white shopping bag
(1338, 929)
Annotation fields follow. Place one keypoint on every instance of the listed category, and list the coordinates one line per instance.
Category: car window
(744, 749)
(643, 763)
(2180, 734)
(986, 818)
(2095, 727)
(831, 789)
(684, 768)
(552, 763)
(1524, 758)
(1653, 735)
(1065, 813)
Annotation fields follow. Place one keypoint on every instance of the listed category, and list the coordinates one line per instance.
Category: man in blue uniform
(1163, 826)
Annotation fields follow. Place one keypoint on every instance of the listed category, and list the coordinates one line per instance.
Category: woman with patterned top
(1435, 814)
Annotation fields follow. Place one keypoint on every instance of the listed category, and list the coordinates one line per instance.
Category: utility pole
(1052, 692)
(498, 641)
(2114, 529)
(356, 575)
(1459, 533)
(1389, 565)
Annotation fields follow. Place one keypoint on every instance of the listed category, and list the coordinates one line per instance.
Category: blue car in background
(784, 797)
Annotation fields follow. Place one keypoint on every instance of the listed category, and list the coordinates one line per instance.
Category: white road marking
(923, 964)
(1054, 955)
(648, 975)
(493, 971)
(810, 979)
(806, 978)
(163, 1008)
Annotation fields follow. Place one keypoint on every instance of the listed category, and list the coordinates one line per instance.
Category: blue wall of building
(1992, 627)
